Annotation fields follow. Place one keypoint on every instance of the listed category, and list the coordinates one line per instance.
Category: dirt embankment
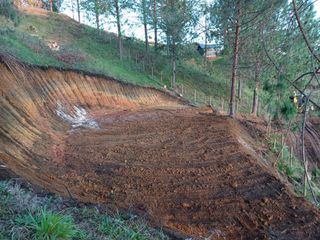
(138, 149)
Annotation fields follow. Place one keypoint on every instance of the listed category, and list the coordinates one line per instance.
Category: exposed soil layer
(140, 150)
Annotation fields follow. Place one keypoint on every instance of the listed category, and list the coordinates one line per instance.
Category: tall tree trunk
(78, 9)
(116, 2)
(168, 44)
(174, 72)
(174, 65)
(155, 25)
(96, 8)
(255, 101)
(51, 6)
(205, 42)
(232, 104)
(145, 24)
(225, 40)
(305, 161)
(239, 92)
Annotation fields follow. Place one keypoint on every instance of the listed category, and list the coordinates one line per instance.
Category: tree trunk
(145, 25)
(306, 180)
(116, 2)
(174, 66)
(78, 9)
(238, 99)
(239, 94)
(51, 4)
(155, 23)
(225, 40)
(232, 104)
(205, 42)
(174, 72)
(96, 8)
(168, 44)
(255, 101)
(305, 161)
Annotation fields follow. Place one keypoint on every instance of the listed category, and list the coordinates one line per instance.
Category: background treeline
(263, 48)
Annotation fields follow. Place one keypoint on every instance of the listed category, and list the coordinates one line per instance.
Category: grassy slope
(84, 48)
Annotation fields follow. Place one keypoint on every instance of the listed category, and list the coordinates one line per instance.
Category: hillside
(49, 39)
(110, 136)
(141, 150)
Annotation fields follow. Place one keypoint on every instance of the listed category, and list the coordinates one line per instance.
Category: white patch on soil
(78, 118)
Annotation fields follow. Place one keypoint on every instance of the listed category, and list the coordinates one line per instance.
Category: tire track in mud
(186, 170)
(188, 174)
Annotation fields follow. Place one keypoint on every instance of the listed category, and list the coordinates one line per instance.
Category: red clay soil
(194, 173)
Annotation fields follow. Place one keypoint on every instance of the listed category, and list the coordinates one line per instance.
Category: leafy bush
(48, 225)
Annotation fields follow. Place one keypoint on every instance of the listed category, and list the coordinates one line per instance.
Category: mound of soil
(138, 149)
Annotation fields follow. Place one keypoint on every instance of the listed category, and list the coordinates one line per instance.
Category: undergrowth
(293, 168)
(26, 215)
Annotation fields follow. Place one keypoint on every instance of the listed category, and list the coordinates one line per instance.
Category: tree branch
(280, 71)
(302, 31)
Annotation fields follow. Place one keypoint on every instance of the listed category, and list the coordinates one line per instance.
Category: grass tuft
(48, 225)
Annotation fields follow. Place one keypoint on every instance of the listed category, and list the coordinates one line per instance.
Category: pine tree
(116, 10)
(143, 8)
(95, 9)
(177, 20)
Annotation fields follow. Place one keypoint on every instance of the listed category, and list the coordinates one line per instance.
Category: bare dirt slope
(141, 150)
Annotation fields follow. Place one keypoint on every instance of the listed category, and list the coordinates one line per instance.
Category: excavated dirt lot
(185, 169)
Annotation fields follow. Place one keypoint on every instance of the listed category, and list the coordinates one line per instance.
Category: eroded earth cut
(141, 150)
